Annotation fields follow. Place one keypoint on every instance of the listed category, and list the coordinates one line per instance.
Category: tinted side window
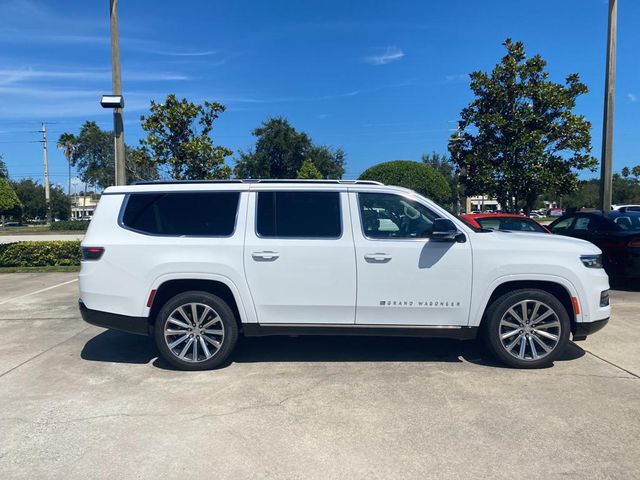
(177, 214)
(385, 215)
(591, 224)
(299, 214)
(583, 224)
(562, 226)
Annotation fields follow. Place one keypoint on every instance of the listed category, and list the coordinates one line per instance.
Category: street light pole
(607, 122)
(45, 158)
(118, 127)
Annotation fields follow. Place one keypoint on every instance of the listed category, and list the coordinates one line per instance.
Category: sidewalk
(40, 238)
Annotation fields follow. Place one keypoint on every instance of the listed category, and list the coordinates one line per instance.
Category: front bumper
(124, 323)
(583, 330)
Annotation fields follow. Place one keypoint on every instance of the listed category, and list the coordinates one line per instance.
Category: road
(81, 402)
(39, 238)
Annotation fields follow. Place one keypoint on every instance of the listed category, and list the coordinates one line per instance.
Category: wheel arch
(555, 288)
(172, 287)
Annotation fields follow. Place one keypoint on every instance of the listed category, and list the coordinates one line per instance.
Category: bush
(417, 176)
(40, 254)
(70, 225)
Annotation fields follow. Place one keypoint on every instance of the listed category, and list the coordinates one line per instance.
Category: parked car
(617, 234)
(198, 264)
(555, 212)
(504, 221)
(626, 208)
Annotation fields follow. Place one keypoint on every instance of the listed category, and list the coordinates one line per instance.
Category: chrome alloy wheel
(530, 330)
(194, 332)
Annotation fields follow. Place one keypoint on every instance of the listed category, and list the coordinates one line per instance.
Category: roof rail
(169, 182)
(258, 180)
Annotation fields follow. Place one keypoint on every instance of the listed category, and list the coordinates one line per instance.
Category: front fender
(480, 302)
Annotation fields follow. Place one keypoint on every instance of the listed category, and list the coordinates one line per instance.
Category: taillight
(92, 253)
(635, 243)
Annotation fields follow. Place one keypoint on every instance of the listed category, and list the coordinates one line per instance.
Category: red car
(503, 221)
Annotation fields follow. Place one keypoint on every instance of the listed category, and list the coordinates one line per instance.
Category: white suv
(196, 264)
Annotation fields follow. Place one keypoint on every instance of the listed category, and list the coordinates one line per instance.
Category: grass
(74, 268)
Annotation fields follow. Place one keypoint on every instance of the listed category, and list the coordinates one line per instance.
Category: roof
(250, 184)
(258, 180)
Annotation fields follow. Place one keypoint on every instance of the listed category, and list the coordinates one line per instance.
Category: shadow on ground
(118, 347)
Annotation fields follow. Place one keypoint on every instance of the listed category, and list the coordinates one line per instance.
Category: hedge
(40, 254)
(70, 225)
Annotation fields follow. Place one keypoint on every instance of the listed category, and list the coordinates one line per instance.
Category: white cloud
(456, 77)
(15, 75)
(632, 97)
(183, 54)
(390, 54)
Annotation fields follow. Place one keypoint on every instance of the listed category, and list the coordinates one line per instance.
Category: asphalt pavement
(82, 402)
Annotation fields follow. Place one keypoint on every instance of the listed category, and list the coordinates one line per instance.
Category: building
(83, 206)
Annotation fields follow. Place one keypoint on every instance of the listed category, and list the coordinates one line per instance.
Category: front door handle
(266, 256)
(377, 257)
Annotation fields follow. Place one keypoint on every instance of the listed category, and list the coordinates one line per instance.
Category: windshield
(510, 223)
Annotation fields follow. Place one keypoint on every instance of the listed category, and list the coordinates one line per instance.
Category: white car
(626, 208)
(197, 264)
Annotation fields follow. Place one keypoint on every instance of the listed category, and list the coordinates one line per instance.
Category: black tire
(494, 328)
(225, 322)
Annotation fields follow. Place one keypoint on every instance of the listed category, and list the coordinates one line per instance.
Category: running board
(294, 329)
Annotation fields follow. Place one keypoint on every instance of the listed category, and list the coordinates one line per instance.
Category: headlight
(591, 261)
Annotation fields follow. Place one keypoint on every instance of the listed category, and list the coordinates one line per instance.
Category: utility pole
(607, 122)
(118, 127)
(47, 193)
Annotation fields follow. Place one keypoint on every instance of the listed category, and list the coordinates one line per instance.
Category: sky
(383, 80)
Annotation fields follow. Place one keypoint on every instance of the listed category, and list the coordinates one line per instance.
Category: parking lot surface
(81, 402)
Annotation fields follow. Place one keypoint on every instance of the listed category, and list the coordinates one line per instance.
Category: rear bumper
(124, 323)
(583, 330)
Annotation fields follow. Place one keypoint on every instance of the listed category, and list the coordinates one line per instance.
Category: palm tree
(67, 143)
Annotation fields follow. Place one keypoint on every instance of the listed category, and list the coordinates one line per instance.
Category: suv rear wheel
(196, 331)
(527, 328)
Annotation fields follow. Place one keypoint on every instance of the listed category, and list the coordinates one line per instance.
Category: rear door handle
(377, 257)
(266, 256)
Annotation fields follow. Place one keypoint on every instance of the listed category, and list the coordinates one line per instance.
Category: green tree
(92, 154)
(625, 190)
(140, 166)
(626, 172)
(444, 165)
(66, 143)
(586, 195)
(308, 171)
(414, 175)
(519, 136)
(9, 202)
(179, 139)
(32, 197)
(635, 171)
(4, 171)
(281, 150)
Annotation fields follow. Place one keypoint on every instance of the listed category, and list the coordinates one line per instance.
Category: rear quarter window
(211, 214)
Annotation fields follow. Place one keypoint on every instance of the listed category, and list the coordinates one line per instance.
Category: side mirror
(444, 230)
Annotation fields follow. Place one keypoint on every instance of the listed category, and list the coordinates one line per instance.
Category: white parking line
(39, 291)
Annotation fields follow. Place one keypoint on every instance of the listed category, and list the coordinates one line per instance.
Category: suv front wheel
(196, 331)
(527, 328)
